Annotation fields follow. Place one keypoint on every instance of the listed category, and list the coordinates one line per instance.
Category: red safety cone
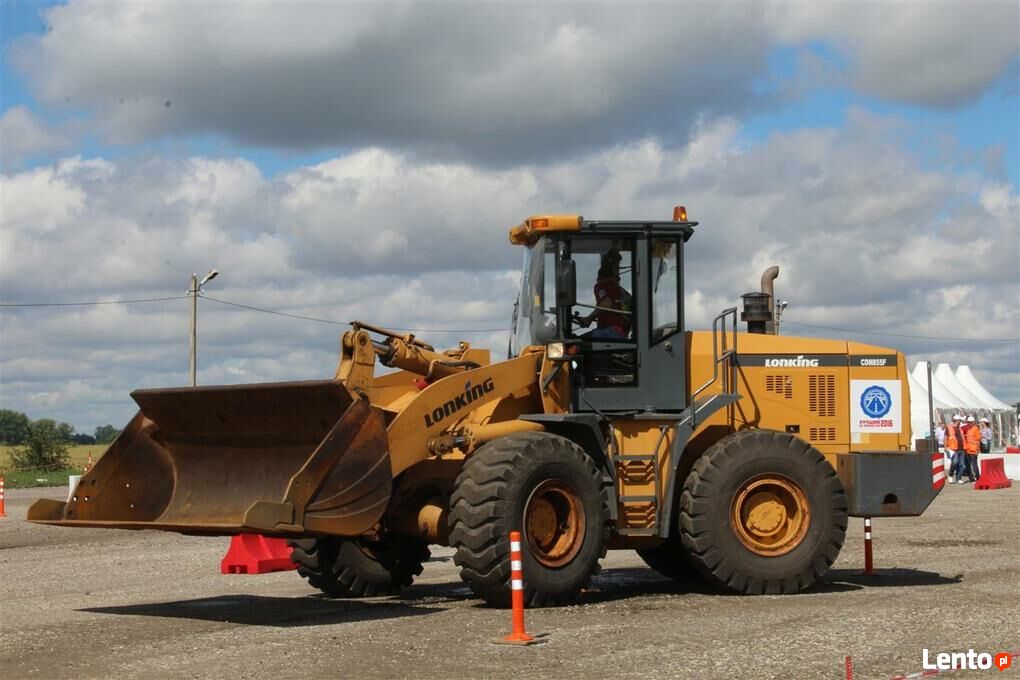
(868, 562)
(256, 554)
(519, 635)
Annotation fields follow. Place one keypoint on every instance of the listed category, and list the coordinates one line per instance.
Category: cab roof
(528, 231)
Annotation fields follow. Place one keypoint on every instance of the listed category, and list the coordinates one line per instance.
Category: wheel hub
(554, 523)
(770, 515)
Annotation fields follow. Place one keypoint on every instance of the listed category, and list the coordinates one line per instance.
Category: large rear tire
(544, 486)
(358, 567)
(762, 512)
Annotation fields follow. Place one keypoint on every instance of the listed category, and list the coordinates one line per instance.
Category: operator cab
(607, 297)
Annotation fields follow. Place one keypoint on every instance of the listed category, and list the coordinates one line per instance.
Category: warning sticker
(875, 406)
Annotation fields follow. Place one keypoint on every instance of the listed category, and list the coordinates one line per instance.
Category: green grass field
(20, 479)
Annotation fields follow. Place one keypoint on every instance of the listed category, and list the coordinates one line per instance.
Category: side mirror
(566, 283)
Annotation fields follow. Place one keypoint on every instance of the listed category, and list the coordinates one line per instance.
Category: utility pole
(196, 288)
(780, 308)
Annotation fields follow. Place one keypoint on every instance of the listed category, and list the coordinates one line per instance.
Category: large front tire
(358, 567)
(762, 512)
(544, 486)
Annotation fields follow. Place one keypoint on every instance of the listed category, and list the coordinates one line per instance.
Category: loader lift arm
(286, 459)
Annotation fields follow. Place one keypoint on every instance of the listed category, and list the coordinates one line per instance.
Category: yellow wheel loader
(735, 457)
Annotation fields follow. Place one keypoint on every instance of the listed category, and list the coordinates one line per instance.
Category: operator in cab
(610, 296)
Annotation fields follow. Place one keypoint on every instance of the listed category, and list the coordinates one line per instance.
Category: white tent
(967, 379)
(953, 395)
(920, 425)
(1003, 416)
(945, 375)
(939, 392)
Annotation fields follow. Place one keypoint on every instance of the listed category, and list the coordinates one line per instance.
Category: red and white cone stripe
(868, 562)
(938, 471)
(517, 591)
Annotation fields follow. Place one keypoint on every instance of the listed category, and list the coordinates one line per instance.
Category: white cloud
(938, 54)
(500, 84)
(866, 236)
(24, 135)
(489, 81)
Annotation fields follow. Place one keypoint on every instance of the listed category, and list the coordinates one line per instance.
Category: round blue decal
(876, 401)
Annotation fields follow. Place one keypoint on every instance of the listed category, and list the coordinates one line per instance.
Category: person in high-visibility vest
(972, 446)
(954, 444)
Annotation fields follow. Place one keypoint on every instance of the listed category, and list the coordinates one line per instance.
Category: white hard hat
(984, 420)
(957, 417)
(970, 419)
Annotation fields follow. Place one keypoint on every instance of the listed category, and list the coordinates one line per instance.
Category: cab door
(661, 373)
(632, 360)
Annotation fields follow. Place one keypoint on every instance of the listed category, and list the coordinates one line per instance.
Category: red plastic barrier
(256, 554)
(993, 475)
(1013, 449)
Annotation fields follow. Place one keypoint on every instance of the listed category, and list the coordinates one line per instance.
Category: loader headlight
(554, 350)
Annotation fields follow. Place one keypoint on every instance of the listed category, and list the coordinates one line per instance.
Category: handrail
(719, 342)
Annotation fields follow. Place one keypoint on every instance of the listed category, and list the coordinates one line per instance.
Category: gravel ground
(94, 603)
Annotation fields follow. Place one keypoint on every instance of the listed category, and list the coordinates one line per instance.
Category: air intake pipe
(756, 312)
(768, 278)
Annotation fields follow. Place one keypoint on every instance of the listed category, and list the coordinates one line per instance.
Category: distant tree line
(16, 429)
(43, 443)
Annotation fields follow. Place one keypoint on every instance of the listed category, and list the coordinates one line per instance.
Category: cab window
(664, 270)
(605, 283)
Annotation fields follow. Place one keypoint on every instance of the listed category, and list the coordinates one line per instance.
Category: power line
(86, 304)
(301, 317)
(348, 323)
(899, 335)
(273, 311)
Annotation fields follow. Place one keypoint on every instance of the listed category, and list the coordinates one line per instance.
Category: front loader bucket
(281, 459)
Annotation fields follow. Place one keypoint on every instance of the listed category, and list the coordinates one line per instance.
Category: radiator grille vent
(822, 395)
(822, 434)
(780, 384)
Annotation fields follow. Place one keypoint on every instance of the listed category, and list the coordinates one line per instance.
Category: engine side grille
(780, 384)
(822, 395)
(822, 434)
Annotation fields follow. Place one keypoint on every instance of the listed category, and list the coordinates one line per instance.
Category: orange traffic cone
(518, 636)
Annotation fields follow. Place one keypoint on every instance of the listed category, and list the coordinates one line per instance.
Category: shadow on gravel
(453, 591)
(854, 579)
(620, 584)
(285, 612)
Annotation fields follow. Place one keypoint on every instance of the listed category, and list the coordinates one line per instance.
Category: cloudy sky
(341, 161)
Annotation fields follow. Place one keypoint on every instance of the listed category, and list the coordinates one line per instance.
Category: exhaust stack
(768, 278)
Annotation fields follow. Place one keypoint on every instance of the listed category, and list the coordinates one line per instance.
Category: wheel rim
(770, 515)
(371, 549)
(554, 523)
